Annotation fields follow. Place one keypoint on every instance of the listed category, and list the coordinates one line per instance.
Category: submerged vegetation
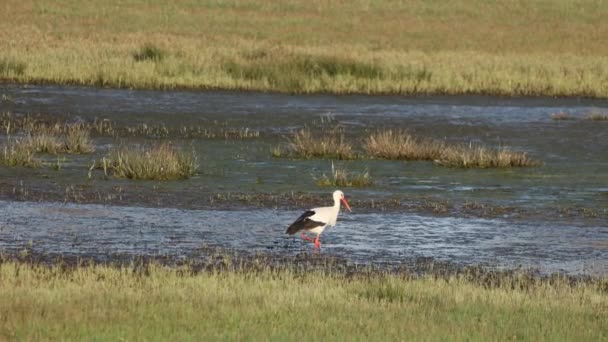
(149, 301)
(77, 134)
(340, 177)
(159, 162)
(401, 48)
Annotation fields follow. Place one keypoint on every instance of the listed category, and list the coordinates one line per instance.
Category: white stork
(317, 219)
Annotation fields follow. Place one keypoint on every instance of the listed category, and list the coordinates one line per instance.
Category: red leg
(317, 244)
(307, 238)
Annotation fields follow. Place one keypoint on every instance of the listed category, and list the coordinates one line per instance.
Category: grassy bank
(38, 303)
(457, 47)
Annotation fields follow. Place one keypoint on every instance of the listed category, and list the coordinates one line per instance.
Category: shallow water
(100, 231)
(574, 175)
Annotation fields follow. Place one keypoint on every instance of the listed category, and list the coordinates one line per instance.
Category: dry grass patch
(398, 145)
(470, 156)
(340, 177)
(159, 162)
(328, 144)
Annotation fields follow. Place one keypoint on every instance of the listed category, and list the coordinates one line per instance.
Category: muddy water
(574, 176)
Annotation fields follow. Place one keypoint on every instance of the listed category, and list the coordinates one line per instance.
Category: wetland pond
(553, 218)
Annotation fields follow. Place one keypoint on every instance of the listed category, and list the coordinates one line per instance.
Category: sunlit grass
(160, 303)
(394, 48)
(158, 162)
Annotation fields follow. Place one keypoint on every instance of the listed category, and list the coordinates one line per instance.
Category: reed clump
(159, 162)
(474, 156)
(18, 153)
(340, 177)
(398, 145)
(329, 144)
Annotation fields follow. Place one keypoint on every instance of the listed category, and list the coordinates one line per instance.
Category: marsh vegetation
(329, 144)
(398, 145)
(400, 48)
(158, 162)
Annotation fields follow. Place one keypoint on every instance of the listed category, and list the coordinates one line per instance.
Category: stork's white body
(317, 219)
(327, 215)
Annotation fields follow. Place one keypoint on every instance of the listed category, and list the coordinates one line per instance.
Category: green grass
(517, 47)
(158, 303)
(159, 162)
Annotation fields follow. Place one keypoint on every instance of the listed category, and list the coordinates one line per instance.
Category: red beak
(345, 204)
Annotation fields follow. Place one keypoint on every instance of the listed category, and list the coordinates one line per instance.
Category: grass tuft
(78, 139)
(18, 153)
(342, 178)
(397, 145)
(159, 162)
(328, 144)
(470, 156)
(149, 52)
(59, 138)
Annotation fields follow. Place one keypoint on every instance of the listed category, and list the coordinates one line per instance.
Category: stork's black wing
(304, 222)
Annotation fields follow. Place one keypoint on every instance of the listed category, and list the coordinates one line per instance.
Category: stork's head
(339, 197)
